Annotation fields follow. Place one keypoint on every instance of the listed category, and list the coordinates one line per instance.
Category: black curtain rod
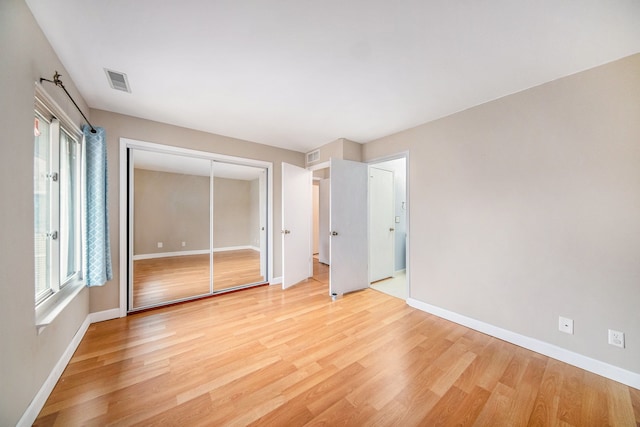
(56, 81)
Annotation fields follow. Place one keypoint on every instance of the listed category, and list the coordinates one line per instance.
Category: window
(57, 209)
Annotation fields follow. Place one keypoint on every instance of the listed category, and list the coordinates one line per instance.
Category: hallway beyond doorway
(395, 286)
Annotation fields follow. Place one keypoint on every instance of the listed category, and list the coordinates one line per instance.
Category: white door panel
(296, 224)
(323, 218)
(349, 227)
(381, 224)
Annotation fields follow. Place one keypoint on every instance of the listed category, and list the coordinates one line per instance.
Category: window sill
(49, 309)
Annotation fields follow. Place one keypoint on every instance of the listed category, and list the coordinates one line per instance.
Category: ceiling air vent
(118, 80)
(313, 156)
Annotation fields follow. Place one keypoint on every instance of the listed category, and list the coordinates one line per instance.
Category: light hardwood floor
(289, 358)
(159, 280)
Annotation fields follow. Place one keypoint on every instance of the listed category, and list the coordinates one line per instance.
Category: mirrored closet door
(239, 226)
(196, 227)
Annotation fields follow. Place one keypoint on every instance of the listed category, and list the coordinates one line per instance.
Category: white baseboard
(41, 397)
(101, 316)
(195, 252)
(632, 379)
(170, 254)
(236, 248)
(276, 281)
(401, 271)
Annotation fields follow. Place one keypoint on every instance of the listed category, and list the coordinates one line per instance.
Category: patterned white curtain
(97, 249)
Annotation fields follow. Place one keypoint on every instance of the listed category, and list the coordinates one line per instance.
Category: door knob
(333, 233)
(392, 229)
(286, 232)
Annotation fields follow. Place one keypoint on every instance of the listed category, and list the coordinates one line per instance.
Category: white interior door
(323, 219)
(381, 224)
(296, 225)
(349, 227)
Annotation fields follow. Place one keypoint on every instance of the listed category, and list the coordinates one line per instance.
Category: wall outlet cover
(616, 338)
(565, 325)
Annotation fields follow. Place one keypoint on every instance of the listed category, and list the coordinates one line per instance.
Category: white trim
(401, 271)
(405, 155)
(42, 395)
(194, 252)
(276, 281)
(323, 165)
(47, 101)
(124, 250)
(49, 309)
(101, 316)
(632, 379)
(171, 254)
(270, 231)
(235, 248)
(170, 149)
(126, 143)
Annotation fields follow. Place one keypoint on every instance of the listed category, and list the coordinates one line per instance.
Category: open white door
(381, 224)
(296, 225)
(349, 227)
(323, 218)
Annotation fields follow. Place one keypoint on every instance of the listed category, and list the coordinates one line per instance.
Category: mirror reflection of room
(239, 225)
(181, 240)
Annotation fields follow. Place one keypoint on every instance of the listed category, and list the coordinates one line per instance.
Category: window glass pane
(42, 206)
(69, 213)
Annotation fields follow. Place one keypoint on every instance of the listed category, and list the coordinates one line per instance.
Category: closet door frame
(125, 243)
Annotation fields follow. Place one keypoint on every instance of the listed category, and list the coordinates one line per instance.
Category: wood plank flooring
(159, 280)
(267, 357)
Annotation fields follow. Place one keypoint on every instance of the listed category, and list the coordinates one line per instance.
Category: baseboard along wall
(41, 397)
(195, 252)
(615, 373)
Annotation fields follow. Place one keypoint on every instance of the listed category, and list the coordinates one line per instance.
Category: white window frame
(62, 290)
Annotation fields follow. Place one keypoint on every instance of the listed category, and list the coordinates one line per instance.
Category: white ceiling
(301, 73)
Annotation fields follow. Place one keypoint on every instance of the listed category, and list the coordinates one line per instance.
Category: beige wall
(232, 213)
(26, 358)
(351, 150)
(254, 214)
(341, 148)
(174, 208)
(170, 208)
(528, 207)
(121, 126)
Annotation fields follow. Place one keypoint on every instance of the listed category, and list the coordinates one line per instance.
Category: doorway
(389, 250)
(388, 216)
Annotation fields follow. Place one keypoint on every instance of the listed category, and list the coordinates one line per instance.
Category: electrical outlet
(565, 325)
(159, 244)
(616, 338)
(184, 244)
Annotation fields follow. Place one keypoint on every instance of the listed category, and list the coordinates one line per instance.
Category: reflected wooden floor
(268, 357)
(159, 280)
